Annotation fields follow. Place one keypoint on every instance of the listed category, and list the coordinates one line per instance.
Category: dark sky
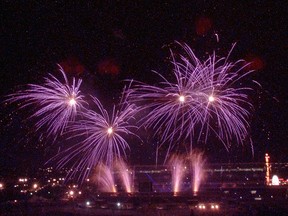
(105, 43)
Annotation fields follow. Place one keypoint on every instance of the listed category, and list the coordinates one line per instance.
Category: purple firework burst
(56, 103)
(205, 98)
(102, 139)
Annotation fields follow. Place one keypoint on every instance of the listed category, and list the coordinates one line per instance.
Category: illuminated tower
(268, 168)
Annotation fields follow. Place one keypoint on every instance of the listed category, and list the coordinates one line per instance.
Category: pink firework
(204, 98)
(101, 139)
(55, 103)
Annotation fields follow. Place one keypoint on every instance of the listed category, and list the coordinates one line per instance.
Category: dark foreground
(150, 210)
(215, 202)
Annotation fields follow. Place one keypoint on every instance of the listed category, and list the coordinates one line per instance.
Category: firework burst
(102, 139)
(204, 98)
(55, 103)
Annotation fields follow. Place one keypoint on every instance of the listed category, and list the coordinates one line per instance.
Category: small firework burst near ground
(102, 139)
(177, 173)
(54, 103)
(197, 162)
(204, 98)
(104, 178)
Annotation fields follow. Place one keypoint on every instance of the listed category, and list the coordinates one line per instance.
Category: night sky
(106, 43)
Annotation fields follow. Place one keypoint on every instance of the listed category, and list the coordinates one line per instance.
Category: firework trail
(102, 139)
(55, 103)
(204, 98)
(197, 163)
(125, 175)
(104, 178)
(178, 170)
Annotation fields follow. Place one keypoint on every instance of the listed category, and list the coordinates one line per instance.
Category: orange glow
(268, 168)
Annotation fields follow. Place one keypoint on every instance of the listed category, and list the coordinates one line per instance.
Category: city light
(23, 180)
(268, 168)
(213, 206)
(1, 186)
(202, 206)
(275, 180)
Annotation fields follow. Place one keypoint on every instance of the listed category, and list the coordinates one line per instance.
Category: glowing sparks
(181, 98)
(125, 175)
(177, 171)
(202, 114)
(95, 146)
(53, 112)
(201, 99)
(211, 98)
(72, 102)
(104, 178)
(197, 163)
(110, 130)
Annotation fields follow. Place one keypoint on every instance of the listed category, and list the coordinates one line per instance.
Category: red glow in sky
(203, 25)
(72, 65)
(108, 66)
(256, 62)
